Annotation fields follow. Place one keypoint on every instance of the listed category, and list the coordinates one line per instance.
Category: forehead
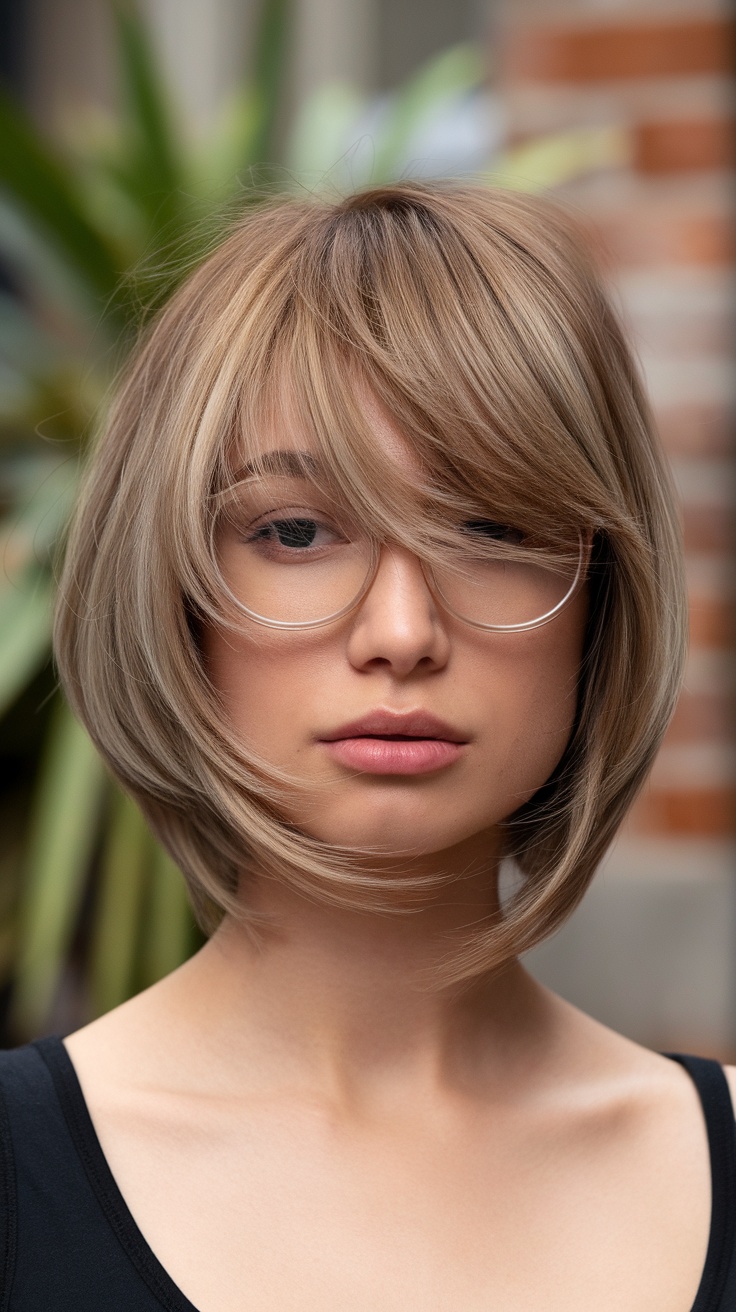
(382, 445)
(282, 444)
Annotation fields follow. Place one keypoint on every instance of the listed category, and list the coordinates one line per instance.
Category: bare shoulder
(640, 1094)
(731, 1077)
(132, 1046)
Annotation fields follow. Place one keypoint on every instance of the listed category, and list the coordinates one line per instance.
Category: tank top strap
(67, 1239)
(715, 1096)
(7, 1203)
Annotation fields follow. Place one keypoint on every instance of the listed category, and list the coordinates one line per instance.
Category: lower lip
(392, 756)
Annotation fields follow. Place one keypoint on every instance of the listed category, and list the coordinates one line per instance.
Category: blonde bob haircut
(476, 321)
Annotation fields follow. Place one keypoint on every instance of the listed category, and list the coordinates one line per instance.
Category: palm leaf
(269, 66)
(23, 340)
(169, 925)
(120, 893)
(43, 491)
(454, 73)
(25, 633)
(321, 132)
(62, 837)
(45, 192)
(552, 160)
(40, 267)
(152, 169)
(218, 160)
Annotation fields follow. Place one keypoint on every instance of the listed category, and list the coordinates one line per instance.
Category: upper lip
(389, 724)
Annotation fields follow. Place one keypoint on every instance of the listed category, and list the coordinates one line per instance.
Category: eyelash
(514, 536)
(263, 529)
(267, 531)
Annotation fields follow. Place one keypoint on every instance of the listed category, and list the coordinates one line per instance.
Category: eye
(492, 530)
(289, 532)
(293, 534)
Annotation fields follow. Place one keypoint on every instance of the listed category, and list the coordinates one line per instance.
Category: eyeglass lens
(298, 562)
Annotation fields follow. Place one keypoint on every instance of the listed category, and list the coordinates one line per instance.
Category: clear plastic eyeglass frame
(436, 593)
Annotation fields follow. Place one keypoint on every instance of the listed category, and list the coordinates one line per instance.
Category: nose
(398, 624)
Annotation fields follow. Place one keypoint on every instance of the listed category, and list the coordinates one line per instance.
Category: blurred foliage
(92, 236)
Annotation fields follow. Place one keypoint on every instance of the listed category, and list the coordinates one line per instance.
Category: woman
(375, 584)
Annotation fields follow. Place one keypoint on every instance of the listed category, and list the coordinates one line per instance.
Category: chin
(399, 830)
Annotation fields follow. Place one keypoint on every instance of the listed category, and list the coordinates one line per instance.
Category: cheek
(537, 697)
(262, 686)
(517, 695)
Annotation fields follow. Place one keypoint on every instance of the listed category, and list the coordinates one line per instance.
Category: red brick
(676, 334)
(712, 621)
(651, 237)
(621, 50)
(684, 144)
(539, 107)
(702, 716)
(709, 528)
(703, 812)
(697, 429)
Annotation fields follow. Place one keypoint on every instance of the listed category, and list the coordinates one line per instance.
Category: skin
(302, 1124)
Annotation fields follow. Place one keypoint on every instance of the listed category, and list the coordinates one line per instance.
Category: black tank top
(68, 1242)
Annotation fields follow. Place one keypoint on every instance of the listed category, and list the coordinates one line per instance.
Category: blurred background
(128, 133)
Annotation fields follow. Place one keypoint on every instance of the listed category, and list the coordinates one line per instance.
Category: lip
(398, 743)
(387, 724)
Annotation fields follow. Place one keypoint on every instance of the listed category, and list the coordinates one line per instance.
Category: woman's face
(505, 704)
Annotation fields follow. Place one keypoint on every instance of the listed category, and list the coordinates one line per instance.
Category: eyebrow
(294, 464)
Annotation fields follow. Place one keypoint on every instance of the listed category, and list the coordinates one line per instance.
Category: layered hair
(479, 324)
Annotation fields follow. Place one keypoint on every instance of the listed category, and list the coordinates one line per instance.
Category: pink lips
(391, 742)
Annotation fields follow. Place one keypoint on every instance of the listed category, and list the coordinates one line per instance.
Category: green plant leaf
(45, 190)
(321, 131)
(169, 923)
(269, 67)
(62, 836)
(558, 158)
(154, 171)
(120, 895)
(216, 161)
(23, 340)
(455, 72)
(51, 284)
(25, 633)
(43, 490)
(149, 113)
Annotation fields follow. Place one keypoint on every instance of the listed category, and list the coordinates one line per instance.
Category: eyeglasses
(296, 565)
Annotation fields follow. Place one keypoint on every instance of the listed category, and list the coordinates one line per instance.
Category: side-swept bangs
(474, 320)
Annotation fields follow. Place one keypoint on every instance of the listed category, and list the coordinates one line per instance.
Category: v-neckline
(708, 1077)
(102, 1181)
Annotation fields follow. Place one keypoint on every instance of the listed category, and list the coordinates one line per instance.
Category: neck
(345, 1000)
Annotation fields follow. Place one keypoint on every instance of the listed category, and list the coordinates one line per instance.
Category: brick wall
(666, 227)
(651, 949)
